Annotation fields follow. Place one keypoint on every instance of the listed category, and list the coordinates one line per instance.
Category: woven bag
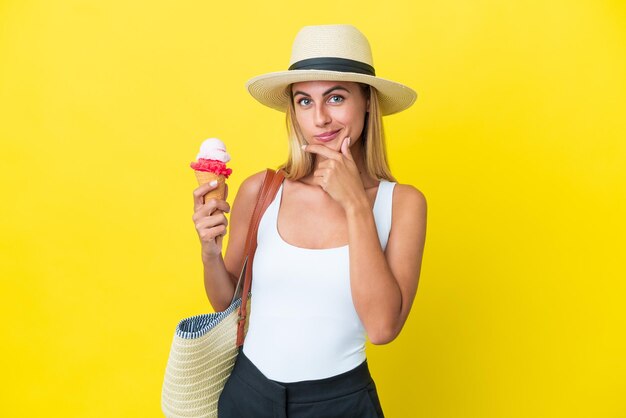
(205, 347)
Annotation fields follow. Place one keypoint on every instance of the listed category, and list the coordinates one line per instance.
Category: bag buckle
(241, 317)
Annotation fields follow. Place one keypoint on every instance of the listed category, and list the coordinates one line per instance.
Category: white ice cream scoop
(213, 149)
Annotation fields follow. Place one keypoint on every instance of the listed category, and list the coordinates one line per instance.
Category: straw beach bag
(205, 347)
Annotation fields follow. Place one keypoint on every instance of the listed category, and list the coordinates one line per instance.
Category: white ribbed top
(303, 324)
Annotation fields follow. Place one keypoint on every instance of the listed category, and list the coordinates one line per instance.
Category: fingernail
(303, 147)
(213, 183)
(349, 141)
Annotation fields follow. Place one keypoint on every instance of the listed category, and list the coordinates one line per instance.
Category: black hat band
(334, 64)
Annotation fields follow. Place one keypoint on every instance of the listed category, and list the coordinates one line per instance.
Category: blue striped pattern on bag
(199, 325)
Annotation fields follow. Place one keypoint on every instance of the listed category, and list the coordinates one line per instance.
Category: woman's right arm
(221, 273)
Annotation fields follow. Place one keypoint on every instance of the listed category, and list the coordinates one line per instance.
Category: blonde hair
(300, 163)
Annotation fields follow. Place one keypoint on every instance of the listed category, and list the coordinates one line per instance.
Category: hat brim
(271, 89)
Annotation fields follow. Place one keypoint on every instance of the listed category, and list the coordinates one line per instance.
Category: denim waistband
(305, 391)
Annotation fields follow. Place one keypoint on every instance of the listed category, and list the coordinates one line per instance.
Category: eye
(305, 100)
(338, 98)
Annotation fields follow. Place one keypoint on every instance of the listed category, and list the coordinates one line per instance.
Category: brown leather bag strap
(268, 191)
(263, 190)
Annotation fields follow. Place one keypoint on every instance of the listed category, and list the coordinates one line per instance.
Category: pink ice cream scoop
(210, 165)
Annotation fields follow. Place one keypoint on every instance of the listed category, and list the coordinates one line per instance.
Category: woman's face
(329, 111)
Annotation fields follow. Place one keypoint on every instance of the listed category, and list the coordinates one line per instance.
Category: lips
(327, 136)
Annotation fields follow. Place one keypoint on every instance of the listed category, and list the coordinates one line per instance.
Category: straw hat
(330, 52)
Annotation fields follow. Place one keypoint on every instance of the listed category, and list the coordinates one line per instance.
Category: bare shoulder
(244, 202)
(409, 210)
(407, 197)
(251, 186)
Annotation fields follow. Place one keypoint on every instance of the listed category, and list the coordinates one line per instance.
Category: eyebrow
(325, 93)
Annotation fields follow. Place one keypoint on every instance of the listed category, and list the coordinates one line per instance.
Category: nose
(322, 117)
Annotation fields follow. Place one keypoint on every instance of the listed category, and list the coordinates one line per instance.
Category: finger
(322, 150)
(211, 206)
(209, 234)
(211, 221)
(226, 191)
(200, 191)
(216, 204)
(218, 218)
(345, 149)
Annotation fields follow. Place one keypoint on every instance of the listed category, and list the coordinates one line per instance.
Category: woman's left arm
(383, 284)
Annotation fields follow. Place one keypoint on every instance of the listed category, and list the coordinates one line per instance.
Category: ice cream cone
(206, 177)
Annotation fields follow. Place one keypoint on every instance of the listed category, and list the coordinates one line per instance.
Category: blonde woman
(339, 249)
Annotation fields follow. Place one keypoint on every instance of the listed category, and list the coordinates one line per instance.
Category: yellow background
(517, 139)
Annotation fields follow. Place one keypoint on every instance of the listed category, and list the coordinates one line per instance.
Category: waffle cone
(206, 177)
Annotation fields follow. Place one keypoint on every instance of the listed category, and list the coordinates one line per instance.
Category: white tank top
(303, 324)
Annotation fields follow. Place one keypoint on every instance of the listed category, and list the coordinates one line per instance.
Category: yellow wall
(517, 140)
